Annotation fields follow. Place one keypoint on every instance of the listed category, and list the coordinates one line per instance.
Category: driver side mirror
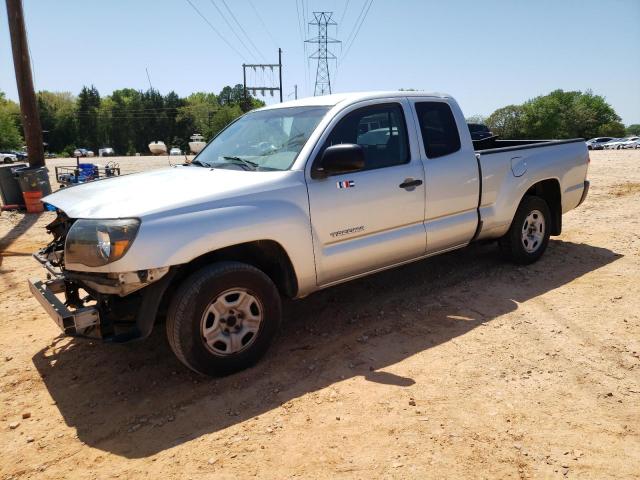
(341, 158)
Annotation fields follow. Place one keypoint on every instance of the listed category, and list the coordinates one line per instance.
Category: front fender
(183, 236)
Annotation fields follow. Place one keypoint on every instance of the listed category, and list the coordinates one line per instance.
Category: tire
(236, 305)
(526, 249)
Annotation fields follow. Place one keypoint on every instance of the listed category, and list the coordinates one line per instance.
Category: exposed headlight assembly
(97, 242)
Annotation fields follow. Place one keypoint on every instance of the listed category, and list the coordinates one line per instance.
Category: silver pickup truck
(287, 200)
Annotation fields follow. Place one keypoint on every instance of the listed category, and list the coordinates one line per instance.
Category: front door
(373, 218)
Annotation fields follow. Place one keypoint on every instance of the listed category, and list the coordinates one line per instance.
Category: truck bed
(508, 167)
(494, 145)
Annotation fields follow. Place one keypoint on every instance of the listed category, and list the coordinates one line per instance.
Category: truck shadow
(136, 400)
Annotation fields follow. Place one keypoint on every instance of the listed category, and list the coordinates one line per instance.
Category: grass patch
(624, 189)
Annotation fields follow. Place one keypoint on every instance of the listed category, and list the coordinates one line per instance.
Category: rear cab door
(365, 220)
(452, 176)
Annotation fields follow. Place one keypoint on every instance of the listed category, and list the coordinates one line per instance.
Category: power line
(356, 34)
(304, 18)
(346, 6)
(243, 30)
(148, 117)
(304, 45)
(155, 108)
(148, 78)
(355, 24)
(232, 29)
(263, 24)
(215, 30)
(299, 23)
(305, 30)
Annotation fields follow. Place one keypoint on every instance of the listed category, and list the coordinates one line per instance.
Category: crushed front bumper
(76, 322)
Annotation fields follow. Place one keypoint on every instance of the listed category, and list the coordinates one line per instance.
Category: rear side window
(380, 130)
(476, 127)
(438, 128)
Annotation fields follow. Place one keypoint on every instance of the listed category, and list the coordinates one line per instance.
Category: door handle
(410, 183)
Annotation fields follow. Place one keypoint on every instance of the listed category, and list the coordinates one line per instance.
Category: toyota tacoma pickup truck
(286, 200)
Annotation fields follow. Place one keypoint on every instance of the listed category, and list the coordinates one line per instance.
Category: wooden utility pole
(28, 104)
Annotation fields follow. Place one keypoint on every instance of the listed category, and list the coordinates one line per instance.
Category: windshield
(262, 140)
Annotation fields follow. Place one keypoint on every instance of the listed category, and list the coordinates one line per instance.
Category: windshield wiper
(198, 162)
(242, 161)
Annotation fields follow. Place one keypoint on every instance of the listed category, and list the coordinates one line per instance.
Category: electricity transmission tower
(322, 54)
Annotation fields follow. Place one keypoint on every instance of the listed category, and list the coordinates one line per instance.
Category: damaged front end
(112, 306)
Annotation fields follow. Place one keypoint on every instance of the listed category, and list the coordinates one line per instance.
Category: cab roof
(347, 98)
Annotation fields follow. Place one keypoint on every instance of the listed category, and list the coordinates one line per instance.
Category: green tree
(10, 136)
(223, 117)
(57, 116)
(633, 129)
(88, 108)
(558, 114)
(198, 112)
(9, 133)
(507, 122)
(179, 130)
(126, 136)
(563, 114)
(126, 120)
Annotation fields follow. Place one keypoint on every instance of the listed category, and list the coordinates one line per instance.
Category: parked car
(175, 151)
(8, 157)
(630, 142)
(479, 131)
(634, 144)
(287, 200)
(614, 144)
(80, 152)
(598, 143)
(21, 154)
(106, 152)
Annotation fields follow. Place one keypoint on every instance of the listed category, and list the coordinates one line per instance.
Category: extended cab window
(380, 130)
(438, 127)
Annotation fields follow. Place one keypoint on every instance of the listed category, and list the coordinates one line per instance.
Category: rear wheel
(528, 236)
(223, 318)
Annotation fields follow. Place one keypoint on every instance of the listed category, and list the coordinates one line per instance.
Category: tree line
(559, 115)
(127, 120)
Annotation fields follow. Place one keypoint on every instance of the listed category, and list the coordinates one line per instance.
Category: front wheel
(528, 236)
(223, 317)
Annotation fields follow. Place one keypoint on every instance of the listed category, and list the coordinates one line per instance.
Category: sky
(486, 54)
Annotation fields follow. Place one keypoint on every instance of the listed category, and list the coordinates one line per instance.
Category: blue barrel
(87, 172)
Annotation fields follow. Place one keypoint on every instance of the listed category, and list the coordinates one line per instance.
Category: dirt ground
(461, 366)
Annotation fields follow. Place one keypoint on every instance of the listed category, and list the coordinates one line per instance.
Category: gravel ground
(460, 366)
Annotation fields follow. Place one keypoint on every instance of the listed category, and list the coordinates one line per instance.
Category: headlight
(97, 242)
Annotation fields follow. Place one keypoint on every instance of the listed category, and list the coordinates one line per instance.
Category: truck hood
(142, 194)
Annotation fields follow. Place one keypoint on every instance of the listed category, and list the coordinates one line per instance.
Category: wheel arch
(549, 191)
(266, 255)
